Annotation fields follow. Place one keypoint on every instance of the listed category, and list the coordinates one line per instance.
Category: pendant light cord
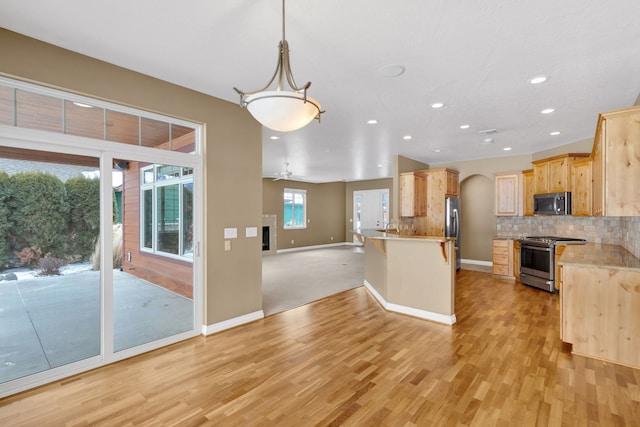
(283, 38)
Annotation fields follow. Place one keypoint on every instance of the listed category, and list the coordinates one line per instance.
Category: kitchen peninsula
(410, 274)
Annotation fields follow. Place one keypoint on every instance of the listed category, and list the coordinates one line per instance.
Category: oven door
(537, 261)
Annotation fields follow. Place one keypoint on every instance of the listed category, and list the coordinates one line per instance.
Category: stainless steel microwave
(552, 203)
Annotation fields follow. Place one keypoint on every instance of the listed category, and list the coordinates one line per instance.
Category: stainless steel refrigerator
(452, 223)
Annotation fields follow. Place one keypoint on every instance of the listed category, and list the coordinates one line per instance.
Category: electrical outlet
(292, 242)
(331, 237)
(227, 245)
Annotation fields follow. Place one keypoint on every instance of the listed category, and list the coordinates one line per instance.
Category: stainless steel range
(537, 260)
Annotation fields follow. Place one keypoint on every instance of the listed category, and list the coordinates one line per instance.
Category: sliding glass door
(50, 295)
(100, 228)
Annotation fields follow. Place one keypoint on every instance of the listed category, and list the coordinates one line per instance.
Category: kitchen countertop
(600, 256)
(370, 233)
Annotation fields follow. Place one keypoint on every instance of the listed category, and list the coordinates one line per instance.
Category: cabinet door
(420, 195)
(507, 195)
(529, 183)
(413, 194)
(558, 175)
(581, 184)
(407, 191)
(541, 173)
(597, 172)
(436, 182)
(622, 165)
(452, 184)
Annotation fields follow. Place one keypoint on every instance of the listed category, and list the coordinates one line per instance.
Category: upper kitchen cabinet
(508, 188)
(553, 175)
(528, 189)
(581, 187)
(441, 183)
(413, 194)
(616, 164)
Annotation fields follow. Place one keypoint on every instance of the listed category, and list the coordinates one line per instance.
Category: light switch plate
(251, 232)
(230, 233)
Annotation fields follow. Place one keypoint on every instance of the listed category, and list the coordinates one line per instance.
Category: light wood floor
(345, 361)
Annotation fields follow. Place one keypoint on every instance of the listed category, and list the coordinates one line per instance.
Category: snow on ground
(27, 274)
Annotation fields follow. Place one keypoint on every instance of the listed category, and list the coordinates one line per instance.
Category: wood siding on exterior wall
(172, 274)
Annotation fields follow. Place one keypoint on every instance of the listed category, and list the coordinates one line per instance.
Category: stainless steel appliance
(452, 223)
(552, 203)
(537, 260)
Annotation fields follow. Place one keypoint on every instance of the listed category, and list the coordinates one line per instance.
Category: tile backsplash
(631, 234)
(623, 231)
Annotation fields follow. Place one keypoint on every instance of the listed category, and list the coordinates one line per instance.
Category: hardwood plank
(345, 361)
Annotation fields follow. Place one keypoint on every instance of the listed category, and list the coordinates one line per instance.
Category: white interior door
(370, 209)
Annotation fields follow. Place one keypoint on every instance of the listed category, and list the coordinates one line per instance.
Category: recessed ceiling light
(274, 137)
(380, 166)
(538, 79)
(554, 133)
(547, 111)
(393, 70)
(488, 141)
(507, 148)
(80, 104)
(372, 122)
(465, 127)
(437, 105)
(407, 137)
(437, 150)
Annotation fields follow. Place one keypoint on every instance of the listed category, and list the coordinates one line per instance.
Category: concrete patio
(52, 321)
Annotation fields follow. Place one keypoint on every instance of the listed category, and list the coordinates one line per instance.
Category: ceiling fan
(285, 174)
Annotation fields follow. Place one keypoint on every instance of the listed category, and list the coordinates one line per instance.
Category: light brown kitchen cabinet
(441, 183)
(516, 259)
(581, 187)
(503, 257)
(508, 194)
(599, 302)
(553, 175)
(616, 164)
(528, 190)
(413, 194)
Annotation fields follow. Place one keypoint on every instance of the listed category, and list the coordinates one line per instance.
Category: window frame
(294, 192)
(156, 184)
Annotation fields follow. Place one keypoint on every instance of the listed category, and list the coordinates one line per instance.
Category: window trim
(154, 186)
(293, 192)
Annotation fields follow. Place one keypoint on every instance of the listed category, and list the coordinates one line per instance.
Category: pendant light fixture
(279, 109)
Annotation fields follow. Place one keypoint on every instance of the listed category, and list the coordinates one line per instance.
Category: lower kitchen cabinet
(599, 300)
(503, 257)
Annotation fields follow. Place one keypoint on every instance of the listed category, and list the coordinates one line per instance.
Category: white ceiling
(475, 56)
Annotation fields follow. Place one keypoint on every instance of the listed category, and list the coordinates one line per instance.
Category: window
(166, 198)
(295, 208)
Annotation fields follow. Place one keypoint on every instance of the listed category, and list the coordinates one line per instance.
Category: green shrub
(39, 211)
(5, 224)
(83, 198)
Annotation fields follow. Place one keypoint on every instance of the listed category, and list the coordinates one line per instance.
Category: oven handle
(536, 248)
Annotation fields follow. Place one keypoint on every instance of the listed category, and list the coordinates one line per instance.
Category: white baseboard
(422, 314)
(232, 323)
(308, 248)
(477, 262)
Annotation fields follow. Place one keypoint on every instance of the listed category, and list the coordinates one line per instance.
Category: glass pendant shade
(282, 111)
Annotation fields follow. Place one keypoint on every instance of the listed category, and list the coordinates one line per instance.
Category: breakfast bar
(410, 274)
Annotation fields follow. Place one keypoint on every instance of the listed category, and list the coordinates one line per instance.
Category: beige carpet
(292, 279)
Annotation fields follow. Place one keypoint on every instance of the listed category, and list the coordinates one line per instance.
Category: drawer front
(501, 269)
(500, 251)
(501, 259)
(501, 243)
